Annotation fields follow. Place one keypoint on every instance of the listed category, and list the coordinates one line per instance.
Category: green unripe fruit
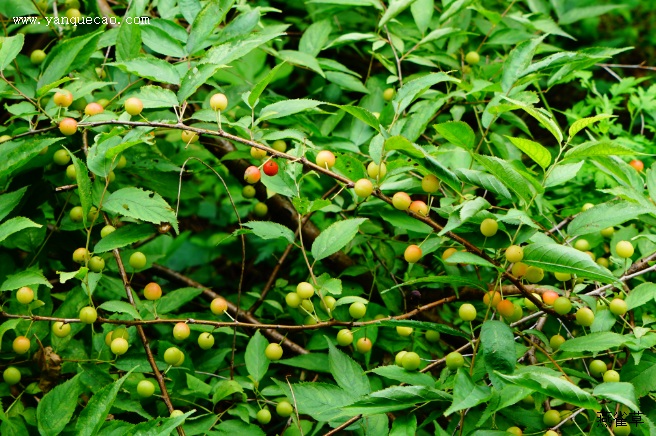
(472, 58)
(388, 94)
(598, 368)
(273, 351)
(189, 137)
(489, 227)
(137, 260)
(107, 230)
(219, 102)
(279, 145)
(176, 413)
(133, 106)
(556, 341)
(96, 264)
(120, 332)
(305, 290)
(398, 359)
(181, 331)
(61, 157)
(122, 162)
(432, 335)
(611, 376)
(467, 312)
(60, 329)
(11, 375)
(88, 315)
(263, 416)
(602, 261)
(376, 171)
(624, 249)
(81, 255)
(328, 303)
(514, 254)
(404, 331)
(205, 340)
(25, 295)
(618, 307)
(562, 305)
(284, 408)
(119, 346)
(534, 274)
(551, 418)
(454, 360)
(608, 232)
(587, 206)
(344, 337)
(401, 201)
(622, 430)
(307, 305)
(248, 191)
(260, 210)
(357, 310)
(21, 345)
(76, 214)
(173, 355)
(37, 56)
(582, 245)
(411, 361)
(563, 277)
(70, 172)
(430, 184)
(293, 300)
(363, 188)
(145, 388)
(585, 316)
(514, 430)
(325, 159)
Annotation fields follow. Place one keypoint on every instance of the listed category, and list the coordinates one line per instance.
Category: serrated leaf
(142, 205)
(83, 185)
(544, 118)
(532, 149)
(485, 181)
(562, 173)
(466, 394)
(302, 59)
(498, 347)
(458, 133)
(598, 148)
(394, 372)
(581, 124)
(469, 259)
(124, 236)
(151, 68)
(120, 307)
(642, 294)
(594, 342)
(205, 22)
(15, 225)
(262, 84)
(317, 362)
(363, 115)
(287, 107)
(394, 8)
(348, 374)
(56, 409)
(270, 230)
(395, 398)
(507, 174)
(93, 416)
(256, 362)
(26, 277)
(79, 274)
(518, 60)
(10, 200)
(562, 259)
(171, 301)
(14, 154)
(335, 237)
(412, 89)
(620, 392)
(153, 96)
(9, 49)
(605, 215)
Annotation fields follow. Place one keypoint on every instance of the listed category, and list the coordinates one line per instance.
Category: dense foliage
(305, 217)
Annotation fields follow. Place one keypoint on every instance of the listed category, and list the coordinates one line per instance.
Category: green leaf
(518, 60)
(485, 181)
(454, 280)
(363, 115)
(231, 427)
(142, 205)
(322, 401)
(594, 342)
(159, 41)
(151, 68)
(534, 150)
(562, 173)
(422, 325)
(559, 258)
(605, 215)
(347, 373)
(317, 362)
(8, 325)
(422, 12)
(544, 118)
(120, 307)
(26, 277)
(171, 301)
(124, 236)
(205, 22)
(128, 40)
(402, 220)
(466, 394)
(394, 372)
(56, 408)
(458, 133)
(257, 363)
(411, 90)
(395, 398)
(598, 148)
(67, 56)
(10, 200)
(640, 295)
(346, 81)
(15, 225)
(287, 107)
(198, 386)
(262, 84)
(498, 347)
(508, 175)
(580, 13)
(620, 392)
(335, 237)
(400, 143)
(315, 37)
(14, 154)
(302, 59)
(94, 414)
(9, 49)
(225, 388)
(469, 259)
(581, 124)
(83, 186)
(270, 230)
(153, 96)
(394, 8)
(642, 376)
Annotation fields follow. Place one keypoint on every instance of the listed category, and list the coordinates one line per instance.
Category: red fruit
(637, 164)
(549, 297)
(270, 168)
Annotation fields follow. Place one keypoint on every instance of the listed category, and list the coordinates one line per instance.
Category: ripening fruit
(587, 206)
(376, 171)
(388, 94)
(472, 58)
(145, 388)
(133, 106)
(582, 245)
(412, 254)
(218, 102)
(293, 300)
(363, 345)
(404, 331)
(514, 430)
(181, 331)
(106, 230)
(563, 277)
(273, 351)
(270, 168)
(357, 310)
(608, 232)
(556, 341)
(410, 361)
(119, 346)
(279, 145)
(519, 269)
(153, 291)
(430, 184)
(63, 98)
(363, 188)
(137, 260)
(81, 255)
(60, 329)
(534, 274)
(260, 209)
(467, 312)
(505, 308)
(448, 253)
(325, 159)
(562, 305)
(344, 337)
(419, 207)
(624, 249)
(284, 408)
(492, 298)
(37, 56)
(218, 306)
(518, 312)
(598, 368)
(205, 340)
(25, 295)
(551, 418)
(549, 297)
(398, 359)
(585, 316)
(454, 360)
(93, 109)
(263, 416)
(88, 315)
(637, 164)
(68, 126)
(514, 254)
(248, 191)
(189, 137)
(256, 153)
(173, 355)
(611, 376)
(96, 264)
(489, 227)
(61, 157)
(401, 201)
(21, 345)
(618, 307)
(252, 174)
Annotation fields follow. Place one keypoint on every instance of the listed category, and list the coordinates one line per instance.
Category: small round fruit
(418, 207)
(305, 290)
(410, 361)
(284, 408)
(25, 295)
(63, 98)
(582, 245)
(624, 249)
(205, 340)
(108, 338)
(133, 106)
(120, 332)
(145, 388)
(307, 305)
(137, 260)
(412, 254)
(637, 164)
(389, 94)
(517, 314)
(189, 137)
(176, 413)
(11, 375)
(551, 433)
(60, 329)
(376, 171)
(598, 368)
(611, 376)
(279, 145)
(73, 14)
(119, 346)
(260, 209)
(404, 331)
(622, 430)
(218, 306)
(93, 109)
(551, 418)
(430, 184)
(357, 310)
(563, 277)
(505, 308)
(454, 360)
(492, 298)
(489, 227)
(270, 168)
(273, 351)
(61, 157)
(172, 355)
(618, 307)
(96, 264)
(256, 153)
(549, 297)
(263, 416)
(218, 102)
(514, 254)
(556, 341)
(103, 101)
(602, 261)
(328, 303)
(81, 255)
(88, 315)
(519, 269)
(93, 214)
(472, 58)
(344, 337)
(252, 174)
(68, 126)
(534, 274)
(562, 305)
(181, 331)
(398, 359)
(70, 172)
(293, 300)
(325, 159)
(248, 191)
(448, 253)
(107, 230)
(467, 312)
(37, 56)
(529, 304)
(432, 335)
(153, 291)
(608, 232)
(401, 201)
(585, 316)
(587, 206)
(21, 345)
(363, 345)
(363, 188)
